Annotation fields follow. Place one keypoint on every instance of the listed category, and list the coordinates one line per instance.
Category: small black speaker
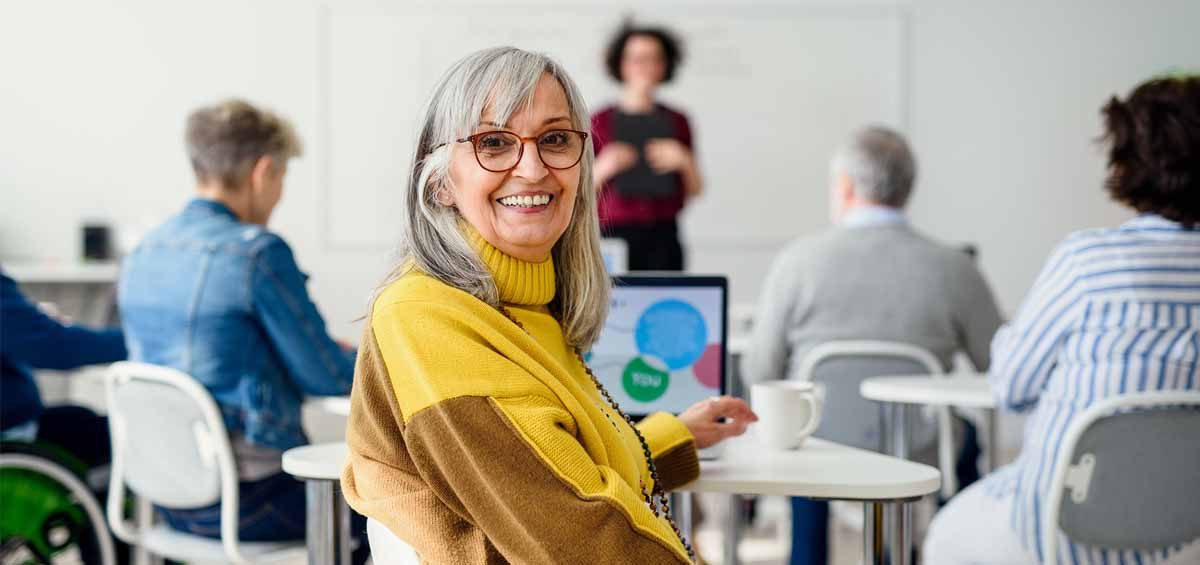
(97, 242)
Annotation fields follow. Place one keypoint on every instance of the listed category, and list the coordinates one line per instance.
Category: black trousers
(652, 247)
(79, 431)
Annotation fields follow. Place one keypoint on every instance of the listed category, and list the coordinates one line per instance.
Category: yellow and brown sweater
(476, 442)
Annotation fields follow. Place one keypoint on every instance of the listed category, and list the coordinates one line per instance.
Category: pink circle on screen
(708, 367)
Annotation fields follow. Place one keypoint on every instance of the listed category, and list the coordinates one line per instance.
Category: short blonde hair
(225, 140)
(504, 79)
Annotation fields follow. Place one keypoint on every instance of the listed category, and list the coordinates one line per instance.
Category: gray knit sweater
(884, 282)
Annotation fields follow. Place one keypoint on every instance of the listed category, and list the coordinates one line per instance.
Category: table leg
(872, 533)
(900, 429)
(885, 428)
(320, 537)
(342, 514)
(900, 533)
(993, 447)
(733, 523)
(897, 422)
(681, 503)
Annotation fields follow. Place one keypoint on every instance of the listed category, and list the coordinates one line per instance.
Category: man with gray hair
(872, 277)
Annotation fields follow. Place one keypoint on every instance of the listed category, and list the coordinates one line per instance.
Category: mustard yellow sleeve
(673, 449)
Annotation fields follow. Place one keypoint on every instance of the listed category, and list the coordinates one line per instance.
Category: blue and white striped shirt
(1114, 311)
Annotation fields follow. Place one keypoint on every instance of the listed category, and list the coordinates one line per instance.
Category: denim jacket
(225, 302)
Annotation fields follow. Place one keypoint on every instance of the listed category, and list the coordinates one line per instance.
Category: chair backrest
(169, 446)
(841, 366)
(1126, 475)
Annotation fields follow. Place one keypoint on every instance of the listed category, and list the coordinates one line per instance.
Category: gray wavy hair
(503, 79)
(881, 165)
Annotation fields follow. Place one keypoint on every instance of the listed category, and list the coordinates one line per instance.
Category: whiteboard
(771, 92)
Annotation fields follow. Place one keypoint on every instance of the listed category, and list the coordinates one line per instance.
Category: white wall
(1000, 98)
(1006, 99)
(830, 78)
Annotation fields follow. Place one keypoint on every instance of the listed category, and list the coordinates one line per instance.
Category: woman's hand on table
(717, 419)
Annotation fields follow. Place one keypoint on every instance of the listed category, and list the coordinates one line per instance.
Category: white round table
(964, 390)
(328, 517)
(968, 391)
(818, 469)
(822, 470)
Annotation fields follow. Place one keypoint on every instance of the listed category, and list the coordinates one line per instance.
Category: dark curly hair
(672, 49)
(1154, 148)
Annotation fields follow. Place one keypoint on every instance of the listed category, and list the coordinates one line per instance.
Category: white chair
(1131, 465)
(170, 448)
(387, 548)
(849, 419)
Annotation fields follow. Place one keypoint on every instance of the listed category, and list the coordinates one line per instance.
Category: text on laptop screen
(661, 348)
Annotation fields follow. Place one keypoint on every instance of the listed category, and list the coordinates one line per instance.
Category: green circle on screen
(643, 382)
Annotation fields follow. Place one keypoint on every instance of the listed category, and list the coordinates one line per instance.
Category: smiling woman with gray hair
(477, 433)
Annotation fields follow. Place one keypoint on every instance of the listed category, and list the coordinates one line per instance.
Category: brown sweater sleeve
(673, 449)
(381, 481)
(486, 472)
(462, 484)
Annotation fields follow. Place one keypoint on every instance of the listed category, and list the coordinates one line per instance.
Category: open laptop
(663, 347)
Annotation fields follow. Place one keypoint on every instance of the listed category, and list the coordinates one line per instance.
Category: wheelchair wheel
(47, 513)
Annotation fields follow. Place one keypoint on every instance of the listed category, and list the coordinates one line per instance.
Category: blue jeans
(810, 532)
(272, 509)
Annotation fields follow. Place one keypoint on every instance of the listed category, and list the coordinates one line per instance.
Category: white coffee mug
(788, 412)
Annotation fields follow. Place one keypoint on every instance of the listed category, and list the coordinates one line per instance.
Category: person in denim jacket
(213, 293)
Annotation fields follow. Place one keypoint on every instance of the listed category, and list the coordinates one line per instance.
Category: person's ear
(845, 187)
(841, 194)
(260, 173)
(443, 196)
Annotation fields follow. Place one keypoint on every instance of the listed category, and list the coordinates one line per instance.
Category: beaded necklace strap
(657, 499)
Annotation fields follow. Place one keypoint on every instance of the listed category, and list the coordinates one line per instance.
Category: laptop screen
(663, 345)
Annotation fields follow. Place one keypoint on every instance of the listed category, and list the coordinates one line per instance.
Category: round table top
(968, 391)
(323, 461)
(818, 469)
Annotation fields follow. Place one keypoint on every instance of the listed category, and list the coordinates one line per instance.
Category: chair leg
(144, 515)
(946, 456)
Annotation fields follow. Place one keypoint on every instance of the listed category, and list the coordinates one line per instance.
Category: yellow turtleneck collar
(519, 282)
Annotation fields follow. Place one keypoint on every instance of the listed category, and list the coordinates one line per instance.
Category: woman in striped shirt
(1114, 311)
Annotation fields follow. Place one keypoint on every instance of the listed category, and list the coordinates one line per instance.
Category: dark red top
(620, 210)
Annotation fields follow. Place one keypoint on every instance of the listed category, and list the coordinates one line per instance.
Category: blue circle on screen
(673, 331)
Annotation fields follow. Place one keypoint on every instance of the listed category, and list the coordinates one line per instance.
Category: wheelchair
(48, 514)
